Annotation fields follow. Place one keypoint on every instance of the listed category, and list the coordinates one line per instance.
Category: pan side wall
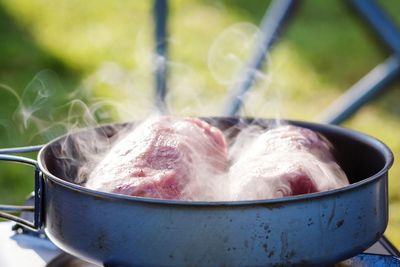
(308, 232)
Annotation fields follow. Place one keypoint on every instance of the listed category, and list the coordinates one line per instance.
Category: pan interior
(359, 156)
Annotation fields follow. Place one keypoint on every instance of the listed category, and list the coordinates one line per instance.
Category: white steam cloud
(46, 109)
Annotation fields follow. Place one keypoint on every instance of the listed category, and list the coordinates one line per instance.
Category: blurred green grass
(103, 50)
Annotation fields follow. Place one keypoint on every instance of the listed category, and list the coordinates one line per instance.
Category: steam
(114, 93)
(82, 155)
(283, 161)
(182, 158)
(230, 52)
(11, 101)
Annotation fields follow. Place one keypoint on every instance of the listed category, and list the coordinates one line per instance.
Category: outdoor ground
(52, 52)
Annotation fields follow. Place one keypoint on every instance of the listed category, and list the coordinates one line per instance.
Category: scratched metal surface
(29, 250)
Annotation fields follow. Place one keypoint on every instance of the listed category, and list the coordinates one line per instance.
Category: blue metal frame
(366, 89)
(379, 21)
(161, 37)
(271, 24)
(377, 80)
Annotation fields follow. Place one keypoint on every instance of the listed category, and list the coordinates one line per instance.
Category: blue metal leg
(363, 91)
(380, 21)
(272, 22)
(160, 19)
(378, 79)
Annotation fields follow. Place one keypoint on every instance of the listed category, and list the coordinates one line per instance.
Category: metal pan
(315, 229)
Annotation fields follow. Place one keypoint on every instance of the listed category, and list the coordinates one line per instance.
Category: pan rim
(378, 145)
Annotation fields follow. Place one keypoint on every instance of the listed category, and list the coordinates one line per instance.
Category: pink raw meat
(285, 161)
(164, 157)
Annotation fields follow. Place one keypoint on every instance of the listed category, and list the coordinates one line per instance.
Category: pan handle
(6, 210)
(17, 150)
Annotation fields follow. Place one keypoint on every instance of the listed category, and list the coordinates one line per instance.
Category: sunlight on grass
(84, 35)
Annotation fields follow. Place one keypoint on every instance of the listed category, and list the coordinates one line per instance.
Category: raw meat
(165, 157)
(186, 159)
(285, 161)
